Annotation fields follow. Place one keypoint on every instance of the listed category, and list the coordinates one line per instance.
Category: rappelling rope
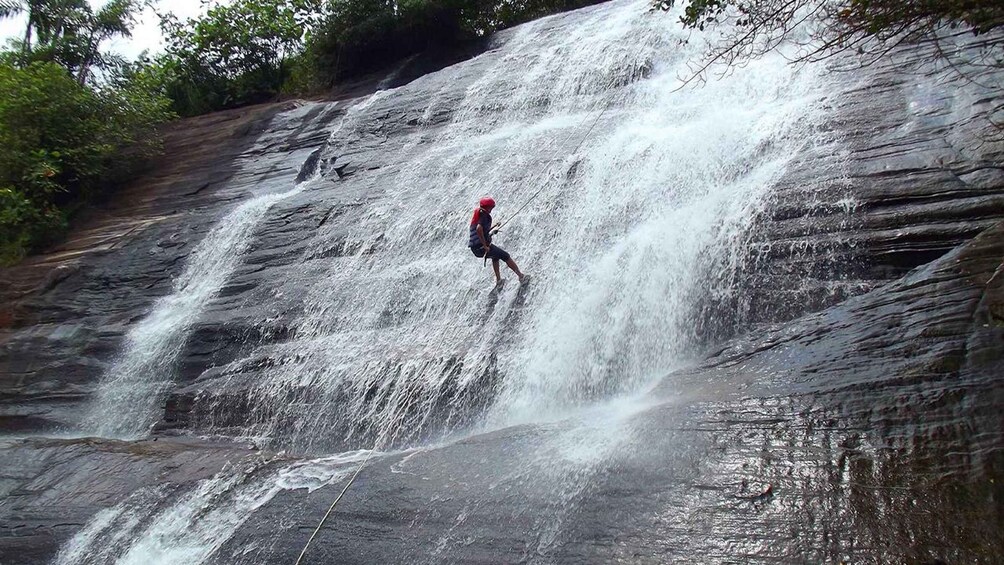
(596, 120)
(497, 227)
(332, 507)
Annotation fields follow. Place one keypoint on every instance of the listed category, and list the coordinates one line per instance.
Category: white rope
(541, 175)
(332, 507)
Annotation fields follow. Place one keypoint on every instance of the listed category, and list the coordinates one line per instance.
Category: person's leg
(514, 267)
(498, 253)
(498, 275)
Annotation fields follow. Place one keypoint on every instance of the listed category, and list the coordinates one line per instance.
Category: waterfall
(633, 188)
(158, 525)
(634, 185)
(132, 390)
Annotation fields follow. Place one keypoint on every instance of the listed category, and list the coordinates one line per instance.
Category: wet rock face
(869, 432)
(907, 169)
(67, 311)
(51, 488)
(862, 424)
(902, 175)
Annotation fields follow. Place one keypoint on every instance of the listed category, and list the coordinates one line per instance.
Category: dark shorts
(494, 252)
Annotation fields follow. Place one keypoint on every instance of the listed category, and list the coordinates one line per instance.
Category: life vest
(484, 218)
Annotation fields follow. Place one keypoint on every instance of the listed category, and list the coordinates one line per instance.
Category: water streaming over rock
(632, 186)
(160, 525)
(135, 386)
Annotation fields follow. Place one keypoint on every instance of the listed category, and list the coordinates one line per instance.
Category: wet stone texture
(860, 422)
(50, 488)
(868, 433)
(906, 169)
(65, 312)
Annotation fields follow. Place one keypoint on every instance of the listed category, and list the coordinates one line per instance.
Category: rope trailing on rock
(332, 507)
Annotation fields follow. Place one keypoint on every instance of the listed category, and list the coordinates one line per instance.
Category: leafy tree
(64, 136)
(870, 27)
(359, 36)
(115, 18)
(42, 148)
(236, 53)
(354, 36)
(11, 8)
(70, 33)
(50, 23)
(64, 142)
(249, 51)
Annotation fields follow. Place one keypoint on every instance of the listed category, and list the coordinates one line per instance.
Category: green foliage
(70, 33)
(235, 54)
(868, 28)
(356, 37)
(249, 51)
(698, 13)
(360, 36)
(69, 133)
(843, 21)
(63, 142)
(882, 17)
(24, 224)
(300, 77)
(10, 8)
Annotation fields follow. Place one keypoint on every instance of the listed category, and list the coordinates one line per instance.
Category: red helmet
(487, 202)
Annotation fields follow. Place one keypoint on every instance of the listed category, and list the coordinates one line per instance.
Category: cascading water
(634, 186)
(127, 401)
(400, 338)
(192, 525)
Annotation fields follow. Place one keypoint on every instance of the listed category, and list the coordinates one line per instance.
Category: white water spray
(130, 393)
(161, 526)
(400, 338)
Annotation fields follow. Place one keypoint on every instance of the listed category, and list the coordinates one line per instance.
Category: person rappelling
(481, 240)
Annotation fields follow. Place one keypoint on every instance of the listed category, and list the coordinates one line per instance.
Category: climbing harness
(498, 226)
(332, 507)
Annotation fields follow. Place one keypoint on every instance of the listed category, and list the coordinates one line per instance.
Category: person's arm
(481, 236)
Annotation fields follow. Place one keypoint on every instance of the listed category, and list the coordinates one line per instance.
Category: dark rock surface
(868, 433)
(50, 488)
(860, 422)
(891, 185)
(66, 311)
(903, 173)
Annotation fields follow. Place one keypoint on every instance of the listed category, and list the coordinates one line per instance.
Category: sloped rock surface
(867, 433)
(66, 311)
(907, 169)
